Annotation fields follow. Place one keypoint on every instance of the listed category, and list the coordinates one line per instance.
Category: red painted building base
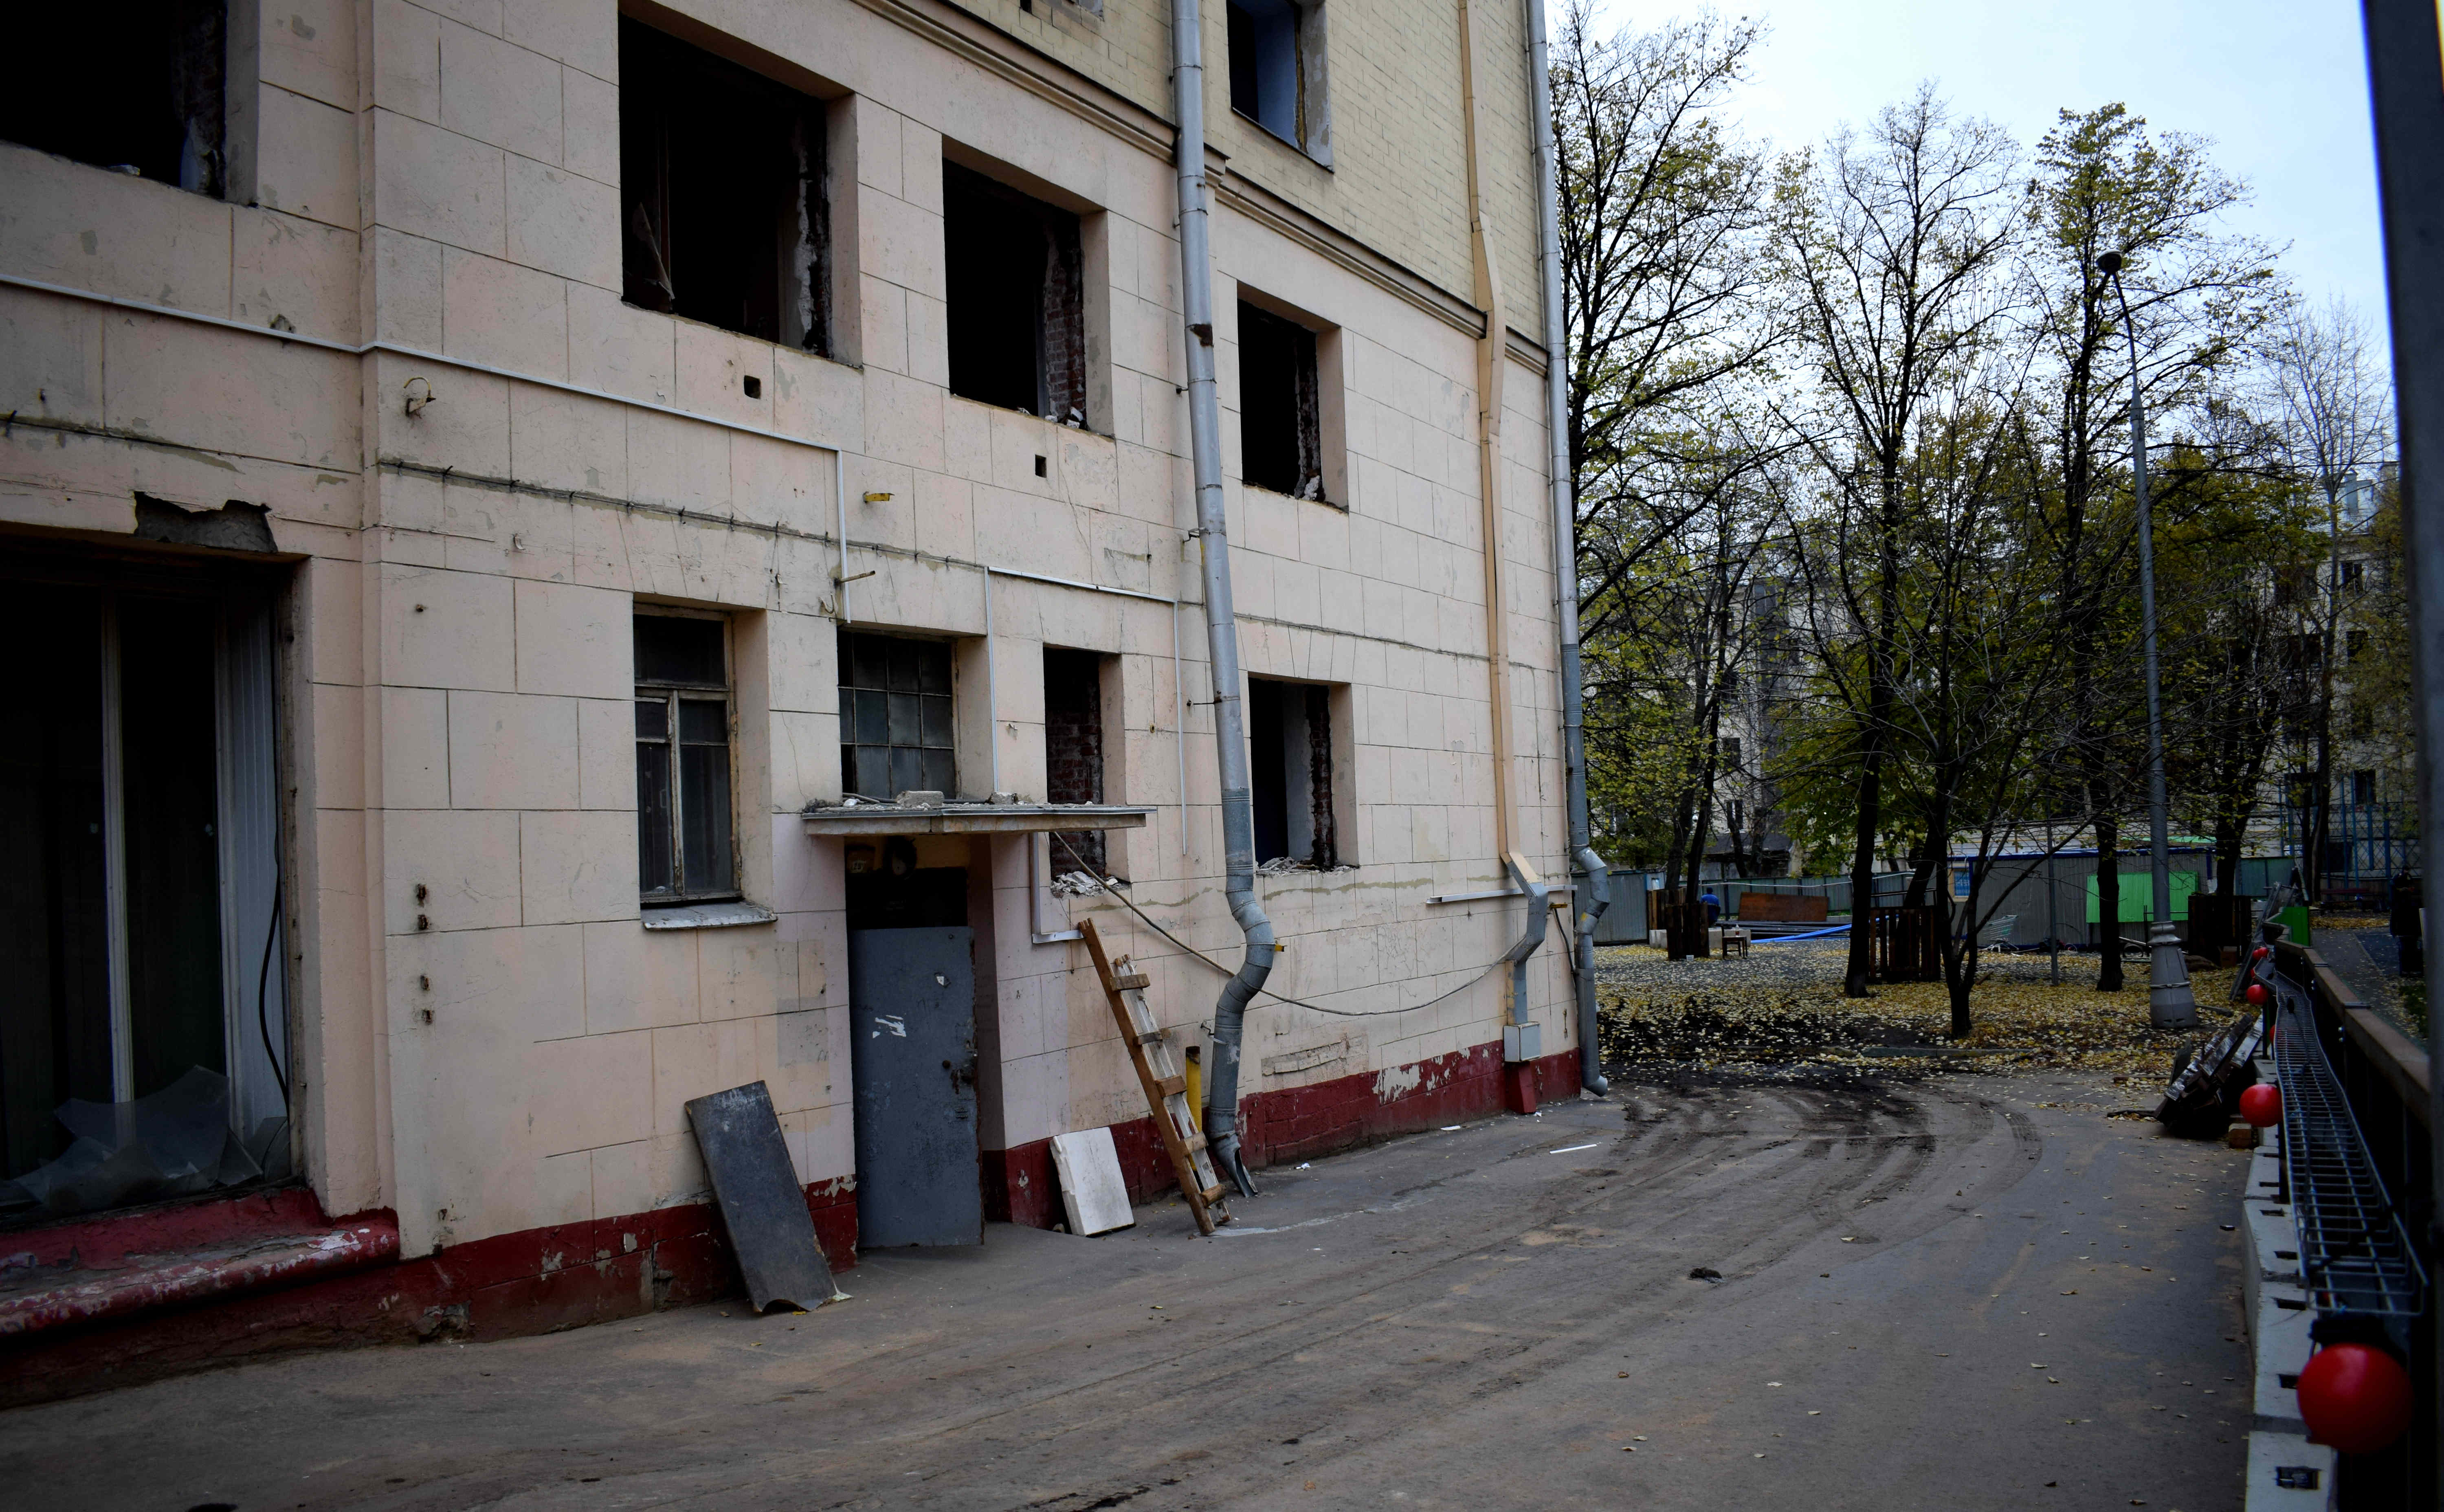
(1519, 1086)
(543, 1280)
(1297, 1123)
(539, 1280)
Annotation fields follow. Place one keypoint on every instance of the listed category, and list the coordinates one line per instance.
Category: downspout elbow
(1229, 1020)
(1599, 877)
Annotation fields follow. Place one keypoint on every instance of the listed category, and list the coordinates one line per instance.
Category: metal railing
(2356, 1155)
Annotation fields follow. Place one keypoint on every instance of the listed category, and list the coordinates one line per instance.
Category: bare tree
(2335, 416)
(1890, 251)
(2104, 184)
(1662, 213)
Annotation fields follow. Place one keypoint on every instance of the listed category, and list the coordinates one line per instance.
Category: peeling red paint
(107, 1240)
(487, 1288)
(138, 1288)
(1297, 1123)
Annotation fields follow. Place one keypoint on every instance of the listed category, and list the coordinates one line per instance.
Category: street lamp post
(2170, 1004)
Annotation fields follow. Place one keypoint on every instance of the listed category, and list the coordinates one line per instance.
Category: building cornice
(1030, 68)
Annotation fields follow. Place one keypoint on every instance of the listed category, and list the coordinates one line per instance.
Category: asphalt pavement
(1957, 1293)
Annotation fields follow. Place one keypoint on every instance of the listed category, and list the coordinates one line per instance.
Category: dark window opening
(2354, 576)
(721, 194)
(1017, 314)
(1073, 751)
(1265, 64)
(896, 726)
(686, 817)
(1281, 435)
(1290, 738)
(2355, 644)
(140, 92)
(2362, 787)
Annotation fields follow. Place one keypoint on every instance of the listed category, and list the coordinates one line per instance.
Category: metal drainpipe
(1594, 889)
(1221, 628)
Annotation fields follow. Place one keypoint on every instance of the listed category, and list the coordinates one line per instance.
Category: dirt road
(1957, 1293)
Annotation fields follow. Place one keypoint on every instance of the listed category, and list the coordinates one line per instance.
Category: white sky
(2280, 86)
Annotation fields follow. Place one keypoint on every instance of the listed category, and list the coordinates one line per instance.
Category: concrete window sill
(708, 917)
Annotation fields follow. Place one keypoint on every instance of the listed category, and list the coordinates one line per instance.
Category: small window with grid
(895, 717)
(685, 850)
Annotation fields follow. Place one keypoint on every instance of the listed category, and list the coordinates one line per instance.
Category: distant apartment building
(513, 506)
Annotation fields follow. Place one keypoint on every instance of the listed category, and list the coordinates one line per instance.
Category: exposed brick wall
(1073, 744)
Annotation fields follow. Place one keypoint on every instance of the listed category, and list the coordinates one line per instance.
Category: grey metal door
(913, 1062)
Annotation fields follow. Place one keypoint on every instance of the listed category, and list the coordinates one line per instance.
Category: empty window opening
(1265, 64)
(145, 99)
(1017, 312)
(2362, 788)
(1073, 750)
(685, 809)
(1277, 71)
(895, 729)
(139, 843)
(1281, 432)
(1289, 735)
(721, 194)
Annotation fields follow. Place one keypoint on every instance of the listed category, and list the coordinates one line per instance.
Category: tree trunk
(1862, 872)
(2108, 903)
(1920, 871)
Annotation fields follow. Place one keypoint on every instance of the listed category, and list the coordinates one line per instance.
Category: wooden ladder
(1166, 1090)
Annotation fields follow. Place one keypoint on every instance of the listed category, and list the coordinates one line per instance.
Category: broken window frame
(670, 88)
(1267, 342)
(664, 810)
(975, 293)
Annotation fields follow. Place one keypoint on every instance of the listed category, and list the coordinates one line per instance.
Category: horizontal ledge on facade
(970, 819)
(414, 354)
(708, 917)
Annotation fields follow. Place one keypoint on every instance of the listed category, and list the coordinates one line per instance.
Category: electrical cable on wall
(262, 988)
(1295, 1003)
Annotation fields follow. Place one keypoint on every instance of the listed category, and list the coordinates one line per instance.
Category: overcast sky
(2279, 86)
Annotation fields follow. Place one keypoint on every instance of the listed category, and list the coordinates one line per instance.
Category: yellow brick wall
(1398, 180)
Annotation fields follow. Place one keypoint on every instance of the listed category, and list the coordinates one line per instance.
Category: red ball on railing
(2355, 1397)
(2260, 953)
(2262, 1104)
(2257, 994)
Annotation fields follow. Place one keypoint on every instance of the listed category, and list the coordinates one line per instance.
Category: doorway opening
(144, 1050)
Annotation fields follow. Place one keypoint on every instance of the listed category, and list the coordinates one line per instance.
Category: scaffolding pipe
(1221, 628)
(1594, 895)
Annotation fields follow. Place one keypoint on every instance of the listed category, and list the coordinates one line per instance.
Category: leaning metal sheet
(762, 1204)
